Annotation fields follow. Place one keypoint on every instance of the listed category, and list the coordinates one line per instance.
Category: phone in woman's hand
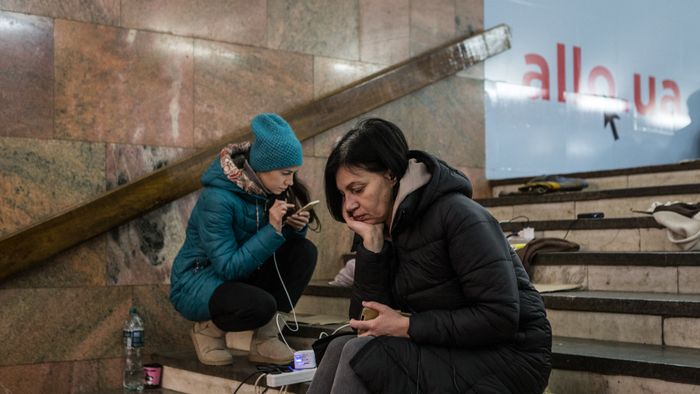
(367, 314)
(307, 206)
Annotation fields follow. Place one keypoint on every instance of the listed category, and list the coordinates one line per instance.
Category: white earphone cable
(294, 314)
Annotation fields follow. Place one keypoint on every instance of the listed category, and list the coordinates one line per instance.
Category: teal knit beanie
(275, 145)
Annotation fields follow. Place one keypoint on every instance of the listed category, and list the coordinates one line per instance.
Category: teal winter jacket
(228, 236)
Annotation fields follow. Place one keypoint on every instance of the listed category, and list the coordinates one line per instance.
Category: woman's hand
(277, 212)
(372, 234)
(388, 322)
(298, 220)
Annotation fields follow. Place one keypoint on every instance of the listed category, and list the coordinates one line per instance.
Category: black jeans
(252, 302)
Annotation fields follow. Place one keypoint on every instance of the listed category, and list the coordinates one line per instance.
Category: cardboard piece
(552, 287)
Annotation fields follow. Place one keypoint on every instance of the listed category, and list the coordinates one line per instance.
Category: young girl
(245, 255)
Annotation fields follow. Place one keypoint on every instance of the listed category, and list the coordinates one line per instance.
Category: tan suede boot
(239, 340)
(209, 344)
(267, 348)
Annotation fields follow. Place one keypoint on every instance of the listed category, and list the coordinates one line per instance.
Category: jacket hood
(444, 179)
(229, 172)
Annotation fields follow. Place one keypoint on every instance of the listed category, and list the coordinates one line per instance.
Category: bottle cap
(132, 310)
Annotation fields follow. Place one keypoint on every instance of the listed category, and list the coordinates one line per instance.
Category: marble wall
(95, 94)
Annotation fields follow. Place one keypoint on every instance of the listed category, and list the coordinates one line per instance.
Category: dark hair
(298, 194)
(375, 145)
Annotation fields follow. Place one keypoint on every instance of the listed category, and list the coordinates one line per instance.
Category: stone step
(614, 203)
(661, 175)
(183, 373)
(656, 259)
(321, 298)
(657, 304)
(310, 303)
(673, 368)
(590, 366)
(659, 272)
(616, 240)
(630, 234)
(640, 234)
(633, 317)
(647, 221)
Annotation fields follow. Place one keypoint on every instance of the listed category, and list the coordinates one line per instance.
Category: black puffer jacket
(450, 266)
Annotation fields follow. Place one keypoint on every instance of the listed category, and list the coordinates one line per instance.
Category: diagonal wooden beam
(32, 245)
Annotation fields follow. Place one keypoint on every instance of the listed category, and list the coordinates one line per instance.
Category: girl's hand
(388, 322)
(372, 234)
(298, 220)
(277, 212)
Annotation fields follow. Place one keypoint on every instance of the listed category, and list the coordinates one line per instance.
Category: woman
(472, 322)
(245, 257)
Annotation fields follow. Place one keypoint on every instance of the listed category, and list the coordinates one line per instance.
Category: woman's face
(277, 181)
(366, 195)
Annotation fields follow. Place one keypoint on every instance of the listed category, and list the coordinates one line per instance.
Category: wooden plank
(32, 245)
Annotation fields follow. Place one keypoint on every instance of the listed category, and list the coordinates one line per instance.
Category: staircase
(635, 325)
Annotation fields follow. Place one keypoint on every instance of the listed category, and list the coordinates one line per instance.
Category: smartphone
(367, 314)
(591, 215)
(307, 206)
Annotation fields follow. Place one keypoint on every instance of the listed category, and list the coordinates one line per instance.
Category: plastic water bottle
(133, 345)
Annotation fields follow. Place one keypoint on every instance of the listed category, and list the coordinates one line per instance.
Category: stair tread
(645, 303)
(680, 365)
(240, 370)
(322, 288)
(663, 304)
(659, 259)
(692, 188)
(318, 286)
(582, 224)
(628, 295)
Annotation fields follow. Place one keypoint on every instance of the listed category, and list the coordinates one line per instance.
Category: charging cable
(257, 381)
(259, 387)
(294, 313)
(325, 334)
(278, 316)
